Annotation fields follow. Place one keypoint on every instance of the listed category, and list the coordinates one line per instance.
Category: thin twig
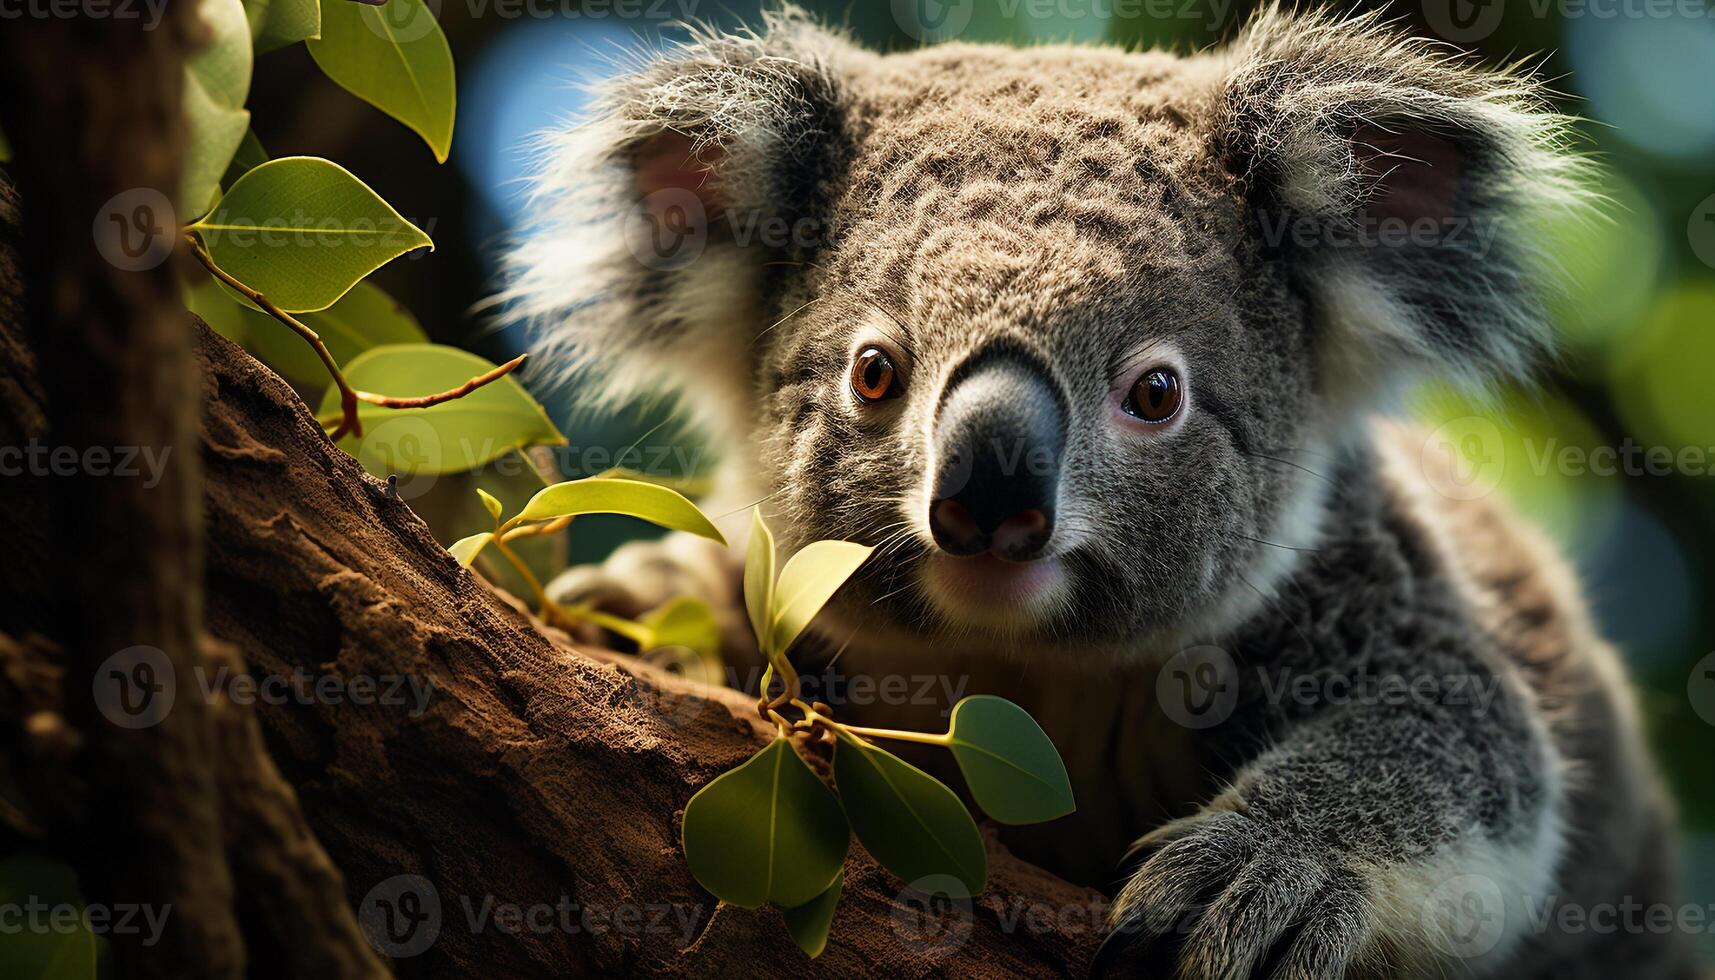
(348, 397)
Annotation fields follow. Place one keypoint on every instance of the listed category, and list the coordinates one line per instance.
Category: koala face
(1069, 334)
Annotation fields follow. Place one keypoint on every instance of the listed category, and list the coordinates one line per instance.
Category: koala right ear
(653, 220)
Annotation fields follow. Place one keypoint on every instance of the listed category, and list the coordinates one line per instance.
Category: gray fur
(1104, 212)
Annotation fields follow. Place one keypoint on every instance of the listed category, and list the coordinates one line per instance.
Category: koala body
(1088, 344)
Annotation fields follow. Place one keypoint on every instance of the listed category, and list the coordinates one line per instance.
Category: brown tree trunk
(535, 794)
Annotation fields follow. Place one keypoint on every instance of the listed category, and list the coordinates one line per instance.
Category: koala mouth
(988, 592)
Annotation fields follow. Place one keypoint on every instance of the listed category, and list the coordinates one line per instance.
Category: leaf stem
(814, 717)
(348, 397)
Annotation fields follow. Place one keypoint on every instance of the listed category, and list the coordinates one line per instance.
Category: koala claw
(1219, 896)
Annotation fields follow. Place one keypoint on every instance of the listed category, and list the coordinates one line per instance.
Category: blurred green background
(1639, 325)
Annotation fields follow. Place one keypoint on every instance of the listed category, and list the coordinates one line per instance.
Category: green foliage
(217, 81)
(451, 437)
(759, 579)
(394, 57)
(466, 549)
(768, 831)
(809, 580)
(1012, 768)
(685, 621)
(809, 923)
(364, 318)
(908, 820)
(302, 231)
(648, 501)
(49, 954)
(249, 155)
(277, 23)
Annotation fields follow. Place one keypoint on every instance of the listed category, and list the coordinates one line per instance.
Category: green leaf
(217, 82)
(466, 549)
(248, 157)
(219, 310)
(808, 581)
(490, 502)
(362, 319)
(685, 621)
(908, 820)
(394, 57)
(302, 231)
(768, 831)
(1012, 768)
(759, 579)
(277, 23)
(809, 923)
(451, 437)
(51, 954)
(634, 498)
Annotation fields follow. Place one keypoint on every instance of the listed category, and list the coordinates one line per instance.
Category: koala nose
(999, 436)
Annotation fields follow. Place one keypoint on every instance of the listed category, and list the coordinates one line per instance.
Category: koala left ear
(1403, 186)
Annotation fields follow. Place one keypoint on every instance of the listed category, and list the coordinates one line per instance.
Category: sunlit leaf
(809, 923)
(489, 502)
(1012, 768)
(759, 579)
(217, 83)
(809, 580)
(466, 549)
(302, 231)
(685, 621)
(908, 820)
(768, 831)
(451, 437)
(394, 57)
(277, 23)
(655, 504)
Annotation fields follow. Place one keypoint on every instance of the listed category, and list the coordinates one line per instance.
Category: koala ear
(654, 221)
(1403, 187)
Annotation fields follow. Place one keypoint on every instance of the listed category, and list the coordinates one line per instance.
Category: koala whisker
(1287, 462)
(801, 308)
(1283, 547)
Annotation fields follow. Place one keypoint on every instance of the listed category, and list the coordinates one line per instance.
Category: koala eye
(874, 378)
(1156, 396)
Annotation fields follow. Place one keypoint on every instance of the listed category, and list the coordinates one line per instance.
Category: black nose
(998, 439)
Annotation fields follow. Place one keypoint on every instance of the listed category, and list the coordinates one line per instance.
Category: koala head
(1071, 334)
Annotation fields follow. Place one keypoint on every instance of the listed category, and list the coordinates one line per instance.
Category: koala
(1096, 348)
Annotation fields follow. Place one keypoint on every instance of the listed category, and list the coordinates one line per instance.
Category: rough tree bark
(537, 776)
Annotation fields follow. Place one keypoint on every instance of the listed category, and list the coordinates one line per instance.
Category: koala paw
(644, 575)
(1219, 895)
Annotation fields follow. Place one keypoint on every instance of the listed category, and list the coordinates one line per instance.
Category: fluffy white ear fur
(1405, 185)
(629, 265)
